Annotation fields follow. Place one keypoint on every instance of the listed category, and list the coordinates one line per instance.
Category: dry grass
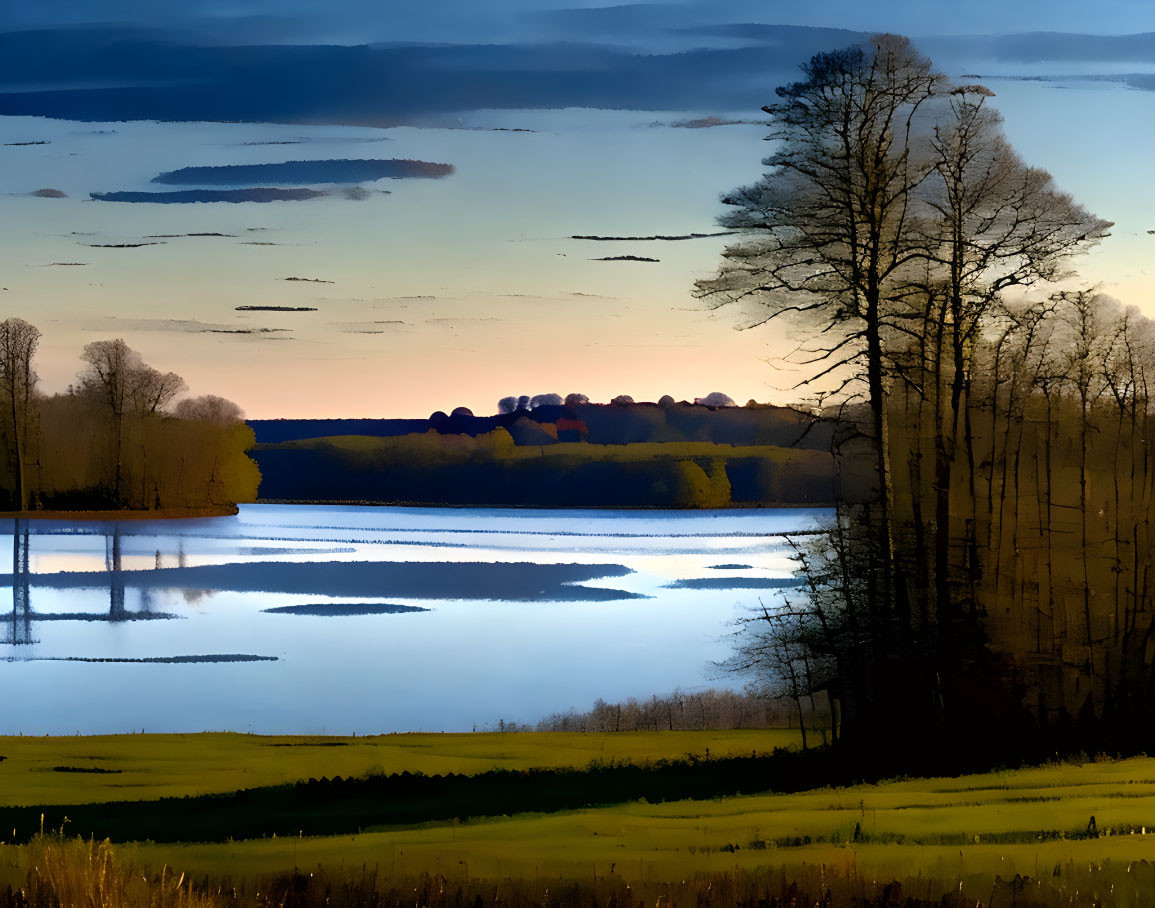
(72, 873)
(61, 873)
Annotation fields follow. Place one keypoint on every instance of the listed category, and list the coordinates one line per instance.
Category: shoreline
(157, 514)
(366, 503)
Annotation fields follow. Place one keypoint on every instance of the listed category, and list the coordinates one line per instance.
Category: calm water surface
(344, 619)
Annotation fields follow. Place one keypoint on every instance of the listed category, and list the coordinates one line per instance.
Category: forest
(546, 451)
(118, 439)
(546, 419)
(492, 470)
(987, 577)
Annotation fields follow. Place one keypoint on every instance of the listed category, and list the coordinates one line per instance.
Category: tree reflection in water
(21, 632)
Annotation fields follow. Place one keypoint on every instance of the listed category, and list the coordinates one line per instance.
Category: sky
(398, 289)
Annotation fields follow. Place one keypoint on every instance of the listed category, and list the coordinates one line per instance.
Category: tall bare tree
(830, 220)
(994, 224)
(117, 376)
(18, 343)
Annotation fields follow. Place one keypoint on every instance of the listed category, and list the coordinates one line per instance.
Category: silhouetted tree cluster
(987, 575)
(492, 469)
(111, 441)
(604, 424)
(676, 711)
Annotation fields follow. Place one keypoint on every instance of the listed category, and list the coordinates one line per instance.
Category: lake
(318, 619)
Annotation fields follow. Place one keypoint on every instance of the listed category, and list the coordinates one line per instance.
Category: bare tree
(831, 220)
(152, 390)
(209, 408)
(18, 343)
(117, 376)
(994, 224)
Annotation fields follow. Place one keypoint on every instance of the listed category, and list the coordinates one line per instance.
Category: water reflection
(21, 599)
(368, 619)
(19, 632)
(112, 558)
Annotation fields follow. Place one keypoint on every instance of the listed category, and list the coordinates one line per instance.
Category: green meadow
(939, 835)
(90, 769)
(1027, 822)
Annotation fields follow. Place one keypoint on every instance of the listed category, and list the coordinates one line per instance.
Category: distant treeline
(578, 454)
(600, 424)
(707, 710)
(115, 439)
(492, 470)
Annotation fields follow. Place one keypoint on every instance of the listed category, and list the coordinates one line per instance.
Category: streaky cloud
(645, 239)
(305, 172)
(625, 258)
(193, 196)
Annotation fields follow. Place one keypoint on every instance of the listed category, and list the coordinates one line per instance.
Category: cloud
(102, 76)
(192, 196)
(314, 140)
(251, 331)
(641, 239)
(119, 245)
(710, 122)
(276, 308)
(381, 326)
(192, 326)
(305, 172)
(209, 72)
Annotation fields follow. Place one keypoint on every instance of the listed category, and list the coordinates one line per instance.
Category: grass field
(138, 767)
(998, 823)
(933, 832)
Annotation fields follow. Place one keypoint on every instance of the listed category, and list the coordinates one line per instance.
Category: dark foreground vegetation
(60, 872)
(115, 440)
(64, 872)
(686, 711)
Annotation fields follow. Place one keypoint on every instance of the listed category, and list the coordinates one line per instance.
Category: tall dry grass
(62, 872)
(73, 873)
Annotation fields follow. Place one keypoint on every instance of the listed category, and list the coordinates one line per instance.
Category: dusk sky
(417, 287)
